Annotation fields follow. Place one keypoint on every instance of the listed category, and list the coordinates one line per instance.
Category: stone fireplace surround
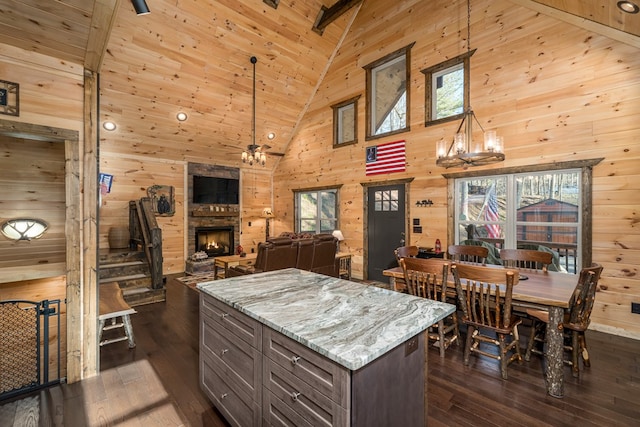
(210, 215)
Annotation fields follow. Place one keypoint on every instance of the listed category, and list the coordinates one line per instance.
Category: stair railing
(144, 232)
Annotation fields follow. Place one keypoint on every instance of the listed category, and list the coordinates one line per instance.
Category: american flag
(491, 214)
(386, 158)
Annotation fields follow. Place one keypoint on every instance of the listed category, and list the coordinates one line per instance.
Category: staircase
(130, 270)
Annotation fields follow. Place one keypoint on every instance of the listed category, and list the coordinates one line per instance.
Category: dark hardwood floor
(156, 384)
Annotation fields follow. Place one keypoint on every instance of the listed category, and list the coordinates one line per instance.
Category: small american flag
(491, 214)
(386, 158)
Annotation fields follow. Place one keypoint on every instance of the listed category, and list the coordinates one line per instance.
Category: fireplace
(215, 241)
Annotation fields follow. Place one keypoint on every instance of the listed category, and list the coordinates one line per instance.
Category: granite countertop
(349, 323)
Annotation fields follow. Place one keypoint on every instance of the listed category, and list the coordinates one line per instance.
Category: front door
(385, 228)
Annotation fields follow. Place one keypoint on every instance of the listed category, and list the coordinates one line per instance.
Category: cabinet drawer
(241, 325)
(300, 397)
(235, 357)
(277, 413)
(237, 409)
(320, 373)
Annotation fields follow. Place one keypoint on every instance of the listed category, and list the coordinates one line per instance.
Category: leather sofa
(315, 254)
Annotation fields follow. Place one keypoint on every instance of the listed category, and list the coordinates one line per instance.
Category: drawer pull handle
(223, 395)
(295, 360)
(294, 396)
(224, 350)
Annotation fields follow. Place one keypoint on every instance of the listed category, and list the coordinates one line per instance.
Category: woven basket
(118, 237)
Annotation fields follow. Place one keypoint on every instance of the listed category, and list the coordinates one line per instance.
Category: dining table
(550, 291)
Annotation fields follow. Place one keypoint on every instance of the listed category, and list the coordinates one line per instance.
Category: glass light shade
(499, 144)
(441, 149)
(244, 157)
(490, 140)
(267, 213)
(23, 228)
(263, 159)
(460, 142)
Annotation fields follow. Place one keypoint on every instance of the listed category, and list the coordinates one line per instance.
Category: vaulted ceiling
(199, 52)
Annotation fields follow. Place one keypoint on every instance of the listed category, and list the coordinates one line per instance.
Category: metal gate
(28, 360)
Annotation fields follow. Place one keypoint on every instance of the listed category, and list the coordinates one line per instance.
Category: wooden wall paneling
(32, 186)
(257, 193)
(556, 91)
(131, 178)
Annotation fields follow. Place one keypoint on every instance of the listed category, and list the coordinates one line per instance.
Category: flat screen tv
(208, 189)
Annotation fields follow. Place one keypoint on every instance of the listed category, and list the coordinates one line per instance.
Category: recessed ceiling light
(109, 126)
(181, 116)
(271, 135)
(628, 7)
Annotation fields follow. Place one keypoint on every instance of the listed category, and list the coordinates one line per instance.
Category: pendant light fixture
(463, 151)
(253, 153)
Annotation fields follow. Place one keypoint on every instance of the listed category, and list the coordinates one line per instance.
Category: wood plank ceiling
(211, 42)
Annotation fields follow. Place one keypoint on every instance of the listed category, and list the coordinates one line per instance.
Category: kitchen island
(292, 347)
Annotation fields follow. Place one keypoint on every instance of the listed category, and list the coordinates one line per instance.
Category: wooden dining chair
(526, 259)
(468, 253)
(406, 251)
(576, 320)
(484, 296)
(427, 278)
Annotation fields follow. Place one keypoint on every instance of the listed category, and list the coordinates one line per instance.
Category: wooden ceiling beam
(327, 15)
(102, 20)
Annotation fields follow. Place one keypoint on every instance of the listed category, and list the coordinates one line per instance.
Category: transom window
(316, 210)
(447, 89)
(388, 94)
(540, 211)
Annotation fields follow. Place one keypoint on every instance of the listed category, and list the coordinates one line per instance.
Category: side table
(222, 263)
(343, 261)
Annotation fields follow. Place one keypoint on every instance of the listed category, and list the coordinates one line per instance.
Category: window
(345, 122)
(386, 201)
(447, 90)
(316, 210)
(533, 210)
(388, 94)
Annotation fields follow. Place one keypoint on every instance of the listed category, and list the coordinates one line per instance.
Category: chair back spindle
(468, 253)
(526, 259)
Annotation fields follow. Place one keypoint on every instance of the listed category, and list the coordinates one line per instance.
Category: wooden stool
(112, 306)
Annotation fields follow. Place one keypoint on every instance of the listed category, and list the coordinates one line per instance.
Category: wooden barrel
(119, 237)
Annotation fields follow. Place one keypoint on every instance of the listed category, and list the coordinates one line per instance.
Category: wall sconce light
(141, 7)
(181, 116)
(267, 213)
(23, 228)
(424, 203)
(338, 235)
(109, 126)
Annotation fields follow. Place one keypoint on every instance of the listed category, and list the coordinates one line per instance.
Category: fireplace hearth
(215, 241)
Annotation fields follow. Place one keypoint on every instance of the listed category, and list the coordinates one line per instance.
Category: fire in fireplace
(215, 241)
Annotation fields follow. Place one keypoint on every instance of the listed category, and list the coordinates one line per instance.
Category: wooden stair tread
(122, 264)
(121, 278)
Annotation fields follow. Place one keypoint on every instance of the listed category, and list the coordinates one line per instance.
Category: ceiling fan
(256, 153)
